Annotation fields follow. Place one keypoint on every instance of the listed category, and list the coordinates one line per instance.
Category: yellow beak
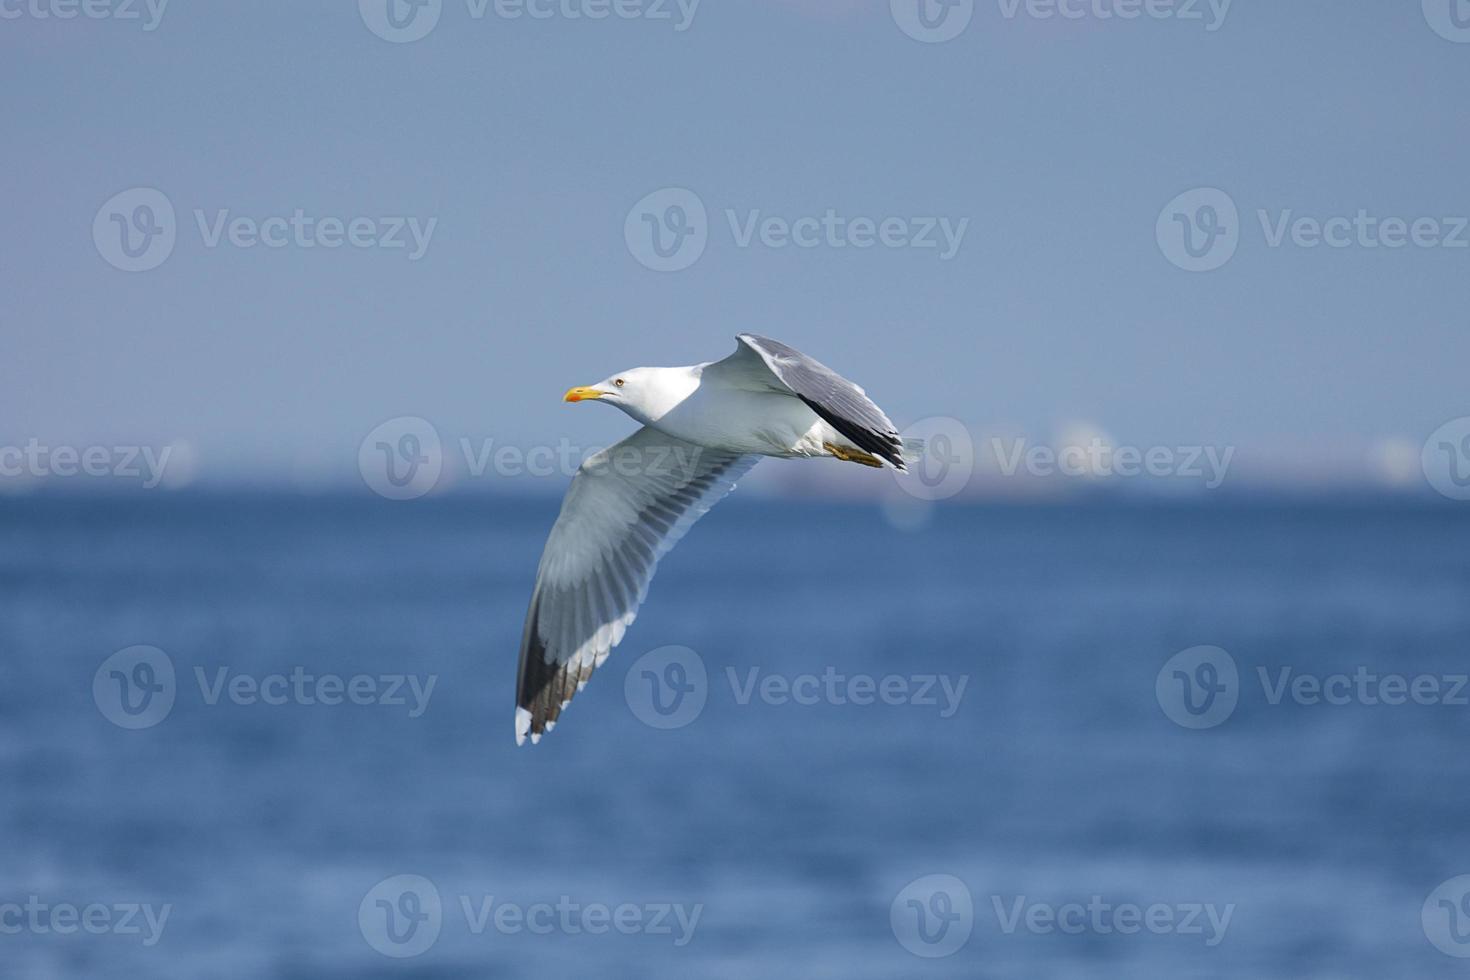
(577, 394)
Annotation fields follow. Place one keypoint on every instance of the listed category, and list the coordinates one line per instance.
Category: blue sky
(526, 143)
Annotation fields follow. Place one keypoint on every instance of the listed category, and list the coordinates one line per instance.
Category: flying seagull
(704, 427)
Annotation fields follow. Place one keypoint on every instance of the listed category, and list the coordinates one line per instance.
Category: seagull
(704, 427)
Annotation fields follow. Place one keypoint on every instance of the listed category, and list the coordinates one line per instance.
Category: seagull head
(644, 393)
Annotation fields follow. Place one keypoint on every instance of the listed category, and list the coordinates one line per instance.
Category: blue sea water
(804, 836)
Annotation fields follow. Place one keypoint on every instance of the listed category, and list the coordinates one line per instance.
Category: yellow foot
(852, 455)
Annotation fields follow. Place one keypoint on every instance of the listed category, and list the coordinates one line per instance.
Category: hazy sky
(1054, 143)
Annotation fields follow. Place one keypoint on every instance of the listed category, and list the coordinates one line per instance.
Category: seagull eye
(618, 381)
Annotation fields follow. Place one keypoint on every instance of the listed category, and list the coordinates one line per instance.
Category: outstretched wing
(626, 507)
(760, 362)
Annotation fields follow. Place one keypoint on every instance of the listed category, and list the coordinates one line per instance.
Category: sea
(267, 735)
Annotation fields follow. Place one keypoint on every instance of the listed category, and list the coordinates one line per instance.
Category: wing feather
(626, 507)
(762, 363)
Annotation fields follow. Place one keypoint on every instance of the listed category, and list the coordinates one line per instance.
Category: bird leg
(852, 455)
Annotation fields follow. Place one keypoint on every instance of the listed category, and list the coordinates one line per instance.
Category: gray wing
(626, 507)
(760, 361)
